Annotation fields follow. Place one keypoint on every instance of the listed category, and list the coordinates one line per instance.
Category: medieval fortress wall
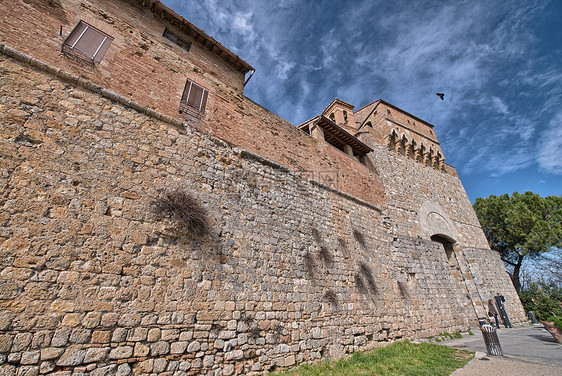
(303, 260)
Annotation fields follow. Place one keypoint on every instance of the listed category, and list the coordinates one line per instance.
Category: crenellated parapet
(414, 149)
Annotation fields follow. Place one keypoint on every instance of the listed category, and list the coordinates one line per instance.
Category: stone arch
(435, 221)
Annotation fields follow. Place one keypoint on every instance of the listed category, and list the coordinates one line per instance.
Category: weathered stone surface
(60, 338)
(30, 357)
(178, 347)
(5, 342)
(141, 349)
(72, 356)
(95, 354)
(121, 352)
(123, 370)
(51, 353)
(159, 348)
(154, 335)
(21, 341)
(194, 347)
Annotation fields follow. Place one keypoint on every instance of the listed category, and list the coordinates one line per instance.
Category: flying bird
(440, 95)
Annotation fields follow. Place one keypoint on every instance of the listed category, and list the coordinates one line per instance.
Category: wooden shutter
(195, 96)
(88, 41)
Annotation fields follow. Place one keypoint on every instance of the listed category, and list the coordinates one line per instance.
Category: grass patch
(400, 358)
(470, 333)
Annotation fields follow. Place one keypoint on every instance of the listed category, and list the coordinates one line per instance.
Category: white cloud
(550, 147)
(479, 53)
(499, 106)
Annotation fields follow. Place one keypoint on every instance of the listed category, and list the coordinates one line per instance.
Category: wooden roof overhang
(334, 135)
(197, 34)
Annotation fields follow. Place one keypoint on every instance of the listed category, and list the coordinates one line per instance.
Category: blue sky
(499, 64)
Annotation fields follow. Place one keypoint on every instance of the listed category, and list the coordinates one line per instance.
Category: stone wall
(92, 280)
(409, 186)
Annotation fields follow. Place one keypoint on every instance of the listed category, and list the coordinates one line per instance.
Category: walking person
(492, 311)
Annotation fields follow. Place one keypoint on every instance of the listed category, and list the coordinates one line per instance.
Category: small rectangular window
(194, 98)
(87, 42)
(177, 40)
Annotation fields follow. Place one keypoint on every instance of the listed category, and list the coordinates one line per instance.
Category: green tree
(542, 298)
(521, 226)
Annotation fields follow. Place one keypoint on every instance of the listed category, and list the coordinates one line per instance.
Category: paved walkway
(529, 350)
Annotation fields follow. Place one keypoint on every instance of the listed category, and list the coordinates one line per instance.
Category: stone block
(30, 357)
(170, 334)
(41, 339)
(159, 365)
(103, 371)
(186, 336)
(193, 347)
(72, 356)
(5, 342)
(159, 348)
(121, 352)
(123, 370)
(91, 320)
(71, 319)
(21, 341)
(234, 355)
(129, 320)
(137, 334)
(79, 335)
(46, 367)
(119, 335)
(96, 354)
(178, 347)
(109, 319)
(101, 336)
(51, 353)
(154, 335)
(141, 350)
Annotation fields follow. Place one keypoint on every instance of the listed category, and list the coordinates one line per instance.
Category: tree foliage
(520, 226)
(543, 299)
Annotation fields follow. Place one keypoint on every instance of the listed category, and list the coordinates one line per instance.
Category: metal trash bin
(491, 340)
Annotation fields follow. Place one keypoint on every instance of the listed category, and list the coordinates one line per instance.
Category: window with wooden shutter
(177, 40)
(87, 42)
(194, 99)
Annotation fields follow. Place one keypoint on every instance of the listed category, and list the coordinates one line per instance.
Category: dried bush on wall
(326, 256)
(316, 236)
(360, 239)
(403, 290)
(332, 298)
(366, 272)
(185, 210)
(342, 246)
(309, 264)
(360, 284)
(255, 332)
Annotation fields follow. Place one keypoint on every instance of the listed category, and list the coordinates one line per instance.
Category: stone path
(529, 350)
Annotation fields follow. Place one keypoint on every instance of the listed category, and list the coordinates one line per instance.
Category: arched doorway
(439, 227)
(463, 295)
